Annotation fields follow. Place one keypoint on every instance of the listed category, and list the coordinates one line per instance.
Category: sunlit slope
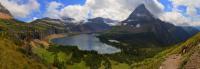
(12, 58)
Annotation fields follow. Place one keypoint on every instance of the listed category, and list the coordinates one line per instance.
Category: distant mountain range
(92, 25)
(104, 20)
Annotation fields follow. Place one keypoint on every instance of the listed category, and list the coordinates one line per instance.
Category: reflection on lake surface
(87, 42)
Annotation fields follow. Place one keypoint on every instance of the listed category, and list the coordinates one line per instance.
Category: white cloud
(75, 11)
(114, 9)
(52, 10)
(21, 10)
(108, 9)
(174, 17)
(178, 18)
(189, 18)
(121, 9)
(191, 5)
(35, 18)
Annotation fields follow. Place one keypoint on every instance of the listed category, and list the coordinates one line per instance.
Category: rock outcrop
(4, 13)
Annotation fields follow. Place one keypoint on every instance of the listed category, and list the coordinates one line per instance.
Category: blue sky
(168, 5)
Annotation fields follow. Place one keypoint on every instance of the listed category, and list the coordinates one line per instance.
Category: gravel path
(172, 62)
(194, 62)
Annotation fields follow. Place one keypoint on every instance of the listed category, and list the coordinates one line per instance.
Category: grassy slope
(8, 31)
(192, 46)
(60, 58)
(12, 58)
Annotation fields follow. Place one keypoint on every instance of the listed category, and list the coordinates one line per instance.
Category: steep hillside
(184, 54)
(190, 53)
(16, 52)
(12, 56)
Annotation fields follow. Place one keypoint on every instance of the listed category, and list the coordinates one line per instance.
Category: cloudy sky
(179, 12)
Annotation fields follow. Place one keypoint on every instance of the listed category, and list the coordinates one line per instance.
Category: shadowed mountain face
(4, 13)
(142, 21)
(191, 30)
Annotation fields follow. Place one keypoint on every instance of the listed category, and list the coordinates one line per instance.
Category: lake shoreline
(46, 42)
(86, 42)
(53, 36)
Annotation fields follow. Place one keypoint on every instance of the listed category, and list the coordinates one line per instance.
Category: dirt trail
(194, 61)
(172, 62)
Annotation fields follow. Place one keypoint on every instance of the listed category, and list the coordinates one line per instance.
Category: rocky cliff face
(142, 21)
(4, 13)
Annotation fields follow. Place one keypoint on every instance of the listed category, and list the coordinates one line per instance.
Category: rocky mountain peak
(4, 13)
(141, 13)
